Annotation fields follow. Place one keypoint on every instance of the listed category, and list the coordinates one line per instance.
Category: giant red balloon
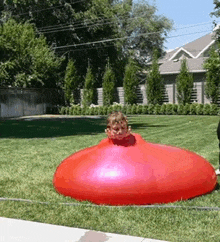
(134, 171)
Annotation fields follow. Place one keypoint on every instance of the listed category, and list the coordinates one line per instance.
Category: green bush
(124, 108)
(150, 109)
(199, 109)
(169, 109)
(110, 109)
(186, 109)
(134, 109)
(157, 109)
(213, 109)
(139, 109)
(175, 109)
(163, 109)
(180, 109)
(206, 109)
(145, 109)
(193, 108)
(128, 109)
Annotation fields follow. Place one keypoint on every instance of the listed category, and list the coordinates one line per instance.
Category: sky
(191, 19)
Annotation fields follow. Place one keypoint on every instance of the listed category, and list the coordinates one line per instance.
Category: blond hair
(116, 117)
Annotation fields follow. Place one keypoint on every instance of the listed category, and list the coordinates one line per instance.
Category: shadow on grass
(57, 127)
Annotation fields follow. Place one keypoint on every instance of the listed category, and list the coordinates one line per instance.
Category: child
(117, 126)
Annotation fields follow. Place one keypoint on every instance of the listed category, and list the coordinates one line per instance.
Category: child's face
(118, 130)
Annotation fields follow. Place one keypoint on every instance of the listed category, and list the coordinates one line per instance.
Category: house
(195, 52)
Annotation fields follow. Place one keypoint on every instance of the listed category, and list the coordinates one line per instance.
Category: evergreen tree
(212, 65)
(184, 84)
(89, 89)
(155, 83)
(130, 82)
(70, 82)
(108, 85)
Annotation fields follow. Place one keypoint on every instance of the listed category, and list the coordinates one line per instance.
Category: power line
(121, 38)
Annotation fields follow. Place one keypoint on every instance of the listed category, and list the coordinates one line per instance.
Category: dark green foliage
(199, 109)
(154, 82)
(108, 86)
(186, 109)
(163, 109)
(151, 109)
(169, 109)
(130, 82)
(157, 109)
(206, 109)
(134, 109)
(193, 108)
(212, 65)
(26, 60)
(89, 89)
(70, 82)
(128, 109)
(184, 82)
(145, 109)
(175, 108)
(180, 109)
(213, 109)
(139, 109)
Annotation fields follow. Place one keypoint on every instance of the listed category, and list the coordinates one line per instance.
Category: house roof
(195, 52)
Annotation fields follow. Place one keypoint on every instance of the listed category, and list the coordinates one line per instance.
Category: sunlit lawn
(32, 149)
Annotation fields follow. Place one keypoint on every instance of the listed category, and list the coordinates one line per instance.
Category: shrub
(62, 110)
(193, 108)
(180, 109)
(186, 109)
(134, 109)
(169, 109)
(150, 109)
(145, 109)
(175, 108)
(124, 108)
(163, 109)
(206, 109)
(105, 110)
(139, 109)
(157, 109)
(128, 109)
(199, 109)
(110, 109)
(213, 109)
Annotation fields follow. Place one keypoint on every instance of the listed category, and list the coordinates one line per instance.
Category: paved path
(15, 230)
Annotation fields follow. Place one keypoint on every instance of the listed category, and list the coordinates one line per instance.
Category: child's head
(117, 126)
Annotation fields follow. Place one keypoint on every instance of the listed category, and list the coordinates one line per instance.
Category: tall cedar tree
(70, 82)
(89, 89)
(212, 65)
(184, 82)
(108, 85)
(130, 82)
(154, 83)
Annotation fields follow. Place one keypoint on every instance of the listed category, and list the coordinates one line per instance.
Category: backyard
(32, 148)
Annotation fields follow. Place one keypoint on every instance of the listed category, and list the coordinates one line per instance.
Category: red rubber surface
(134, 172)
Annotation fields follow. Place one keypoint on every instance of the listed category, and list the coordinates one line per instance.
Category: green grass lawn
(32, 150)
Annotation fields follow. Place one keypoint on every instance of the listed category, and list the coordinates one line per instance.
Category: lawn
(32, 149)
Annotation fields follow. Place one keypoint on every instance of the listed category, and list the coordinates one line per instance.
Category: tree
(130, 82)
(216, 13)
(119, 28)
(89, 90)
(184, 82)
(70, 82)
(108, 85)
(25, 58)
(154, 83)
(212, 65)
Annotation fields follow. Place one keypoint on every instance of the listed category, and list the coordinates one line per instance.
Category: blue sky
(191, 19)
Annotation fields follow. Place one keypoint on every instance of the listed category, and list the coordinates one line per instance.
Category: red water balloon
(133, 171)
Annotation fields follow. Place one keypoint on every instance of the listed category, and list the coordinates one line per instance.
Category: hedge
(151, 109)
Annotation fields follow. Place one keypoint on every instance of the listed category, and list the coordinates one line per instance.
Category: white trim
(177, 72)
(211, 43)
(181, 49)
